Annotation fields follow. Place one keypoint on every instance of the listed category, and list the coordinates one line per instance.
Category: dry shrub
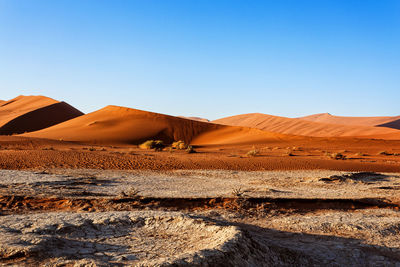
(190, 150)
(179, 145)
(337, 156)
(384, 153)
(157, 145)
(253, 153)
(289, 153)
(131, 192)
(237, 192)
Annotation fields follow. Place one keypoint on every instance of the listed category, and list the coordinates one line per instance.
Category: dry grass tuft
(238, 192)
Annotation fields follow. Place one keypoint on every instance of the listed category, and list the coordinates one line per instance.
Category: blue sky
(205, 58)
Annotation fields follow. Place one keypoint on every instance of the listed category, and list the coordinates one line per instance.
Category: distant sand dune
(195, 118)
(114, 124)
(306, 128)
(31, 113)
(388, 121)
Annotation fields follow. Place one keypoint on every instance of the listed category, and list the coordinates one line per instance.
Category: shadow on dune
(393, 124)
(40, 119)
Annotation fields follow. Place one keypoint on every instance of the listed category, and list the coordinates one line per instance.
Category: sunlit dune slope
(32, 113)
(305, 128)
(114, 124)
(240, 135)
(388, 121)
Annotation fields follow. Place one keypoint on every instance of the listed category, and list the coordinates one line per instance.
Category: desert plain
(126, 187)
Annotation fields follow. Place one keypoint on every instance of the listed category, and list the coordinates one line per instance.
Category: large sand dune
(306, 128)
(386, 121)
(114, 124)
(31, 113)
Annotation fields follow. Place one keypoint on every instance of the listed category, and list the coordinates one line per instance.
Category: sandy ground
(360, 155)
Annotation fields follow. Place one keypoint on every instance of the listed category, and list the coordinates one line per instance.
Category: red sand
(306, 128)
(30, 113)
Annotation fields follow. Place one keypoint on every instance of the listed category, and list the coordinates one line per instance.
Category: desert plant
(237, 192)
(337, 156)
(360, 154)
(253, 153)
(179, 145)
(92, 149)
(190, 150)
(131, 192)
(289, 153)
(147, 145)
(384, 153)
(157, 145)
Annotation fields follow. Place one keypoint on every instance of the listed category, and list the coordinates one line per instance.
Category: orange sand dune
(306, 128)
(2, 102)
(195, 118)
(114, 124)
(31, 113)
(354, 121)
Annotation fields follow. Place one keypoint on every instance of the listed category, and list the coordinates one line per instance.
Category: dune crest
(114, 124)
(306, 128)
(31, 113)
(195, 118)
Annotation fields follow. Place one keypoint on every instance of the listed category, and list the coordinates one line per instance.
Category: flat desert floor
(293, 204)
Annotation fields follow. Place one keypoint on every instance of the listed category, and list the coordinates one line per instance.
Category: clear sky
(207, 58)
